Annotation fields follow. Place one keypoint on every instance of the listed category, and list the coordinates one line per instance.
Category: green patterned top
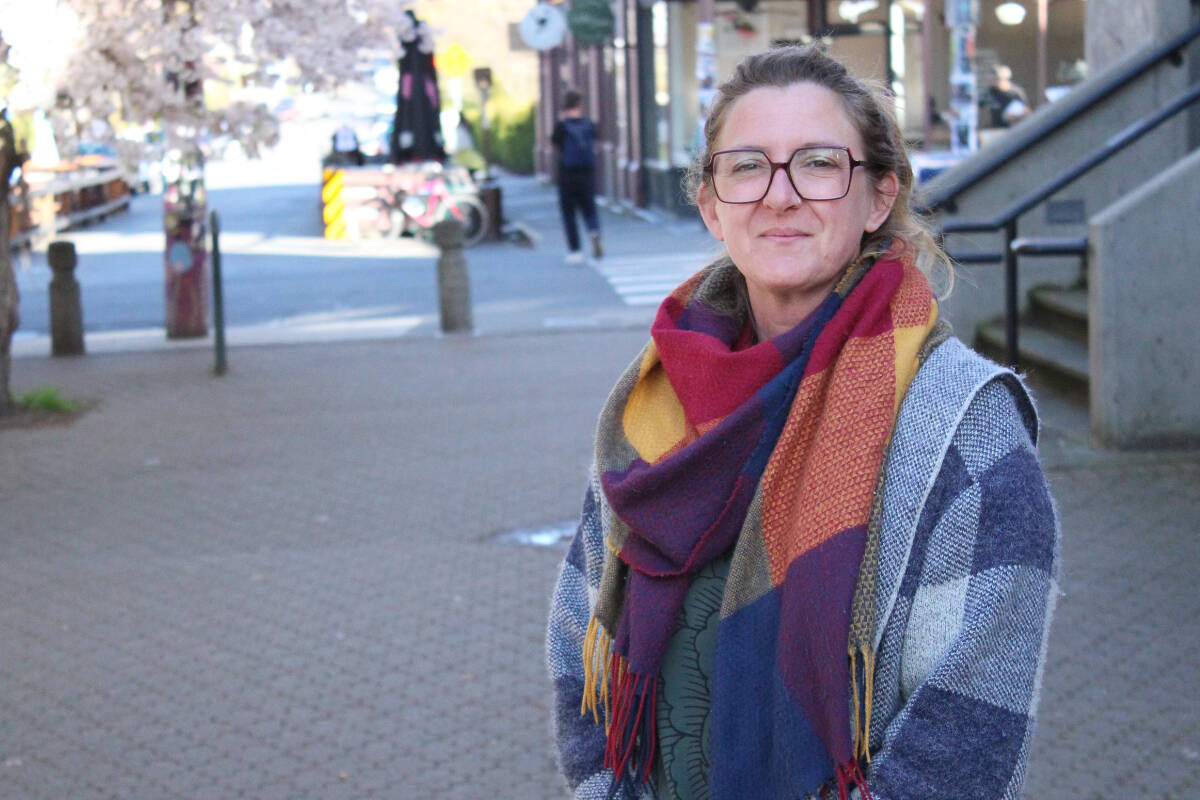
(683, 699)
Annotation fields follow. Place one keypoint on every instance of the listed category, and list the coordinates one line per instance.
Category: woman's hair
(869, 107)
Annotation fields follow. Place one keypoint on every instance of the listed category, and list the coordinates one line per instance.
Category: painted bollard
(186, 256)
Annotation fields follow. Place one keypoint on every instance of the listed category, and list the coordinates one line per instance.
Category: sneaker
(597, 250)
(575, 257)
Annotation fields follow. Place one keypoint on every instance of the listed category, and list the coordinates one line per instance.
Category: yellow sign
(453, 62)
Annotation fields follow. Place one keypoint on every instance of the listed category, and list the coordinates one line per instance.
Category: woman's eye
(748, 166)
(819, 162)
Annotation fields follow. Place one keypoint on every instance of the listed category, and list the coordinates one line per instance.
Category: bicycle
(433, 198)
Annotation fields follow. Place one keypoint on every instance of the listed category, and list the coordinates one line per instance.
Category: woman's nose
(780, 194)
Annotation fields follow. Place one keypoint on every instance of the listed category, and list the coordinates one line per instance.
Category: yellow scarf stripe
(597, 650)
(653, 420)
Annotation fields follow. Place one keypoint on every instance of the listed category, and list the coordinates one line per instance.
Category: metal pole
(927, 77)
(706, 63)
(485, 125)
(888, 75)
(1010, 295)
(1043, 19)
(817, 18)
(221, 366)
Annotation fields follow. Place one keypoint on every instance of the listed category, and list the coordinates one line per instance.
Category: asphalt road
(280, 271)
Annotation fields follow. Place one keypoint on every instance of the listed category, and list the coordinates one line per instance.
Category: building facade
(646, 83)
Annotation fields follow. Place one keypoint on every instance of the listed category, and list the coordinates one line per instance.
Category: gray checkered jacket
(967, 580)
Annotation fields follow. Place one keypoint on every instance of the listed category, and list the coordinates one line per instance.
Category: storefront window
(684, 89)
(662, 83)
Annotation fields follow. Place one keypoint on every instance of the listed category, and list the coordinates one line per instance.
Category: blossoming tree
(145, 61)
(138, 58)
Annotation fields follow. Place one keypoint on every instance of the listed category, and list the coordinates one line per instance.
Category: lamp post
(483, 81)
(489, 190)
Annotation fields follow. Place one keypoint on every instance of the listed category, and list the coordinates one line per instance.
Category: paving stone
(283, 583)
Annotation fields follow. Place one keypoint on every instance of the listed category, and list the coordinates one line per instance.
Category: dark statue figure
(416, 132)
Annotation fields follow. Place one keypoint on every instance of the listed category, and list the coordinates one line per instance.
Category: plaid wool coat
(967, 578)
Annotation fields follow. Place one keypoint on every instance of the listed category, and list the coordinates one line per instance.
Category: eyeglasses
(816, 173)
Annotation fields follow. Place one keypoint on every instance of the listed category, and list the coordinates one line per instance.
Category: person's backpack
(578, 150)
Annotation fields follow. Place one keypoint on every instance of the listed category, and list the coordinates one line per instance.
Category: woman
(817, 552)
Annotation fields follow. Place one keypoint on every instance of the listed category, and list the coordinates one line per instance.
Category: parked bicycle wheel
(376, 218)
(363, 221)
(471, 213)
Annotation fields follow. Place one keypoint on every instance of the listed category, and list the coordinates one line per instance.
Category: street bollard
(186, 256)
(66, 312)
(454, 283)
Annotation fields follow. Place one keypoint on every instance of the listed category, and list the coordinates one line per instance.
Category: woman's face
(791, 251)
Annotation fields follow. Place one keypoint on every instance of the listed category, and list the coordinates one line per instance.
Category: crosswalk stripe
(644, 281)
(640, 280)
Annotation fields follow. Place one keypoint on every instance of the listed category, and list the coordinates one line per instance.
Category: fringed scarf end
(632, 733)
(850, 775)
(596, 647)
(862, 655)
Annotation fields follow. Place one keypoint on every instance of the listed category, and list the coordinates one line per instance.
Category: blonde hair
(869, 107)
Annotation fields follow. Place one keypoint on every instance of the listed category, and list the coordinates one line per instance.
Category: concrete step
(1060, 361)
(1064, 311)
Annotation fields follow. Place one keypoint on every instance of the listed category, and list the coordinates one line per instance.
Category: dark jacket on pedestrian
(575, 140)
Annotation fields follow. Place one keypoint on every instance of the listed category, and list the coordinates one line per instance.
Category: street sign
(453, 62)
(544, 27)
(591, 21)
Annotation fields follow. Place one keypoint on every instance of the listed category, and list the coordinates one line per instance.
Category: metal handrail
(1115, 144)
(1006, 220)
(1069, 246)
(1105, 88)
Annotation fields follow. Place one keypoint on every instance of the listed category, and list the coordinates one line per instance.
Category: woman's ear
(706, 201)
(886, 189)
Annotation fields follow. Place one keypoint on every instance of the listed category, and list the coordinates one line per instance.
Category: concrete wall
(1116, 28)
(979, 290)
(1144, 292)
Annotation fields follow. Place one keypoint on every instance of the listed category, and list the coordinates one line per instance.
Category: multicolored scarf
(711, 441)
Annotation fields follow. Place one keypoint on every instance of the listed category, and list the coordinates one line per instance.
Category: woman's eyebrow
(764, 149)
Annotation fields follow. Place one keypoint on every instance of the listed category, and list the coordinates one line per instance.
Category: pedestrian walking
(346, 149)
(574, 138)
(817, 550)
(1005, 101)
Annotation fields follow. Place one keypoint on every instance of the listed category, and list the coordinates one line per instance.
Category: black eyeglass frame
(778, 165)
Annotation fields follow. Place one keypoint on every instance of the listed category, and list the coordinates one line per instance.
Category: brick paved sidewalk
(283, 583)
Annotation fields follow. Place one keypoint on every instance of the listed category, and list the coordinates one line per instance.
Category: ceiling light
(853, 9)
(1010, 13)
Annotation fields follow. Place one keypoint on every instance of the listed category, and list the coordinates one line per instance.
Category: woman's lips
(782, 233)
